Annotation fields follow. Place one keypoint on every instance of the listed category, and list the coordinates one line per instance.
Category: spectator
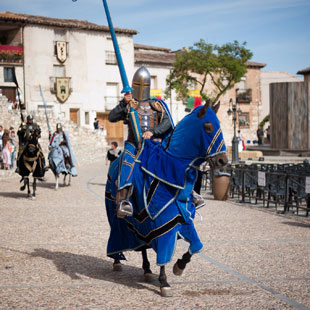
(96, 124)
(113, 152)
(268, 134)
(13, 146)
(260, 135)
(1, 134)
(10, 106)
(6, 154)
(241, 144)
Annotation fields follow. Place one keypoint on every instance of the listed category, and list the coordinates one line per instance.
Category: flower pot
(221, 187)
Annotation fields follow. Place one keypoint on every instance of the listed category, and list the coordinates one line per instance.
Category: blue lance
(126, 87)
(133, 115)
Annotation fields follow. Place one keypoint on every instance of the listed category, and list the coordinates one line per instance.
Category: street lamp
(233, 111)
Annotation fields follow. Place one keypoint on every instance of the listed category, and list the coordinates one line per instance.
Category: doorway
(74, 116)
(115, 131)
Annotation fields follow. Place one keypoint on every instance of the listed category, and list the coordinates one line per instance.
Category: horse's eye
(208, 127)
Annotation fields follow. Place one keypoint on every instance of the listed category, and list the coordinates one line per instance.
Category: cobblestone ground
(52, 255)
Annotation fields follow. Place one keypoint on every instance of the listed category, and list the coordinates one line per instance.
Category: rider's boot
(198, 200)
(124, 206)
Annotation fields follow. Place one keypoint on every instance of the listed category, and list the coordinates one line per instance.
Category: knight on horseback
(61, 158)
(155, 123)
(30, 157)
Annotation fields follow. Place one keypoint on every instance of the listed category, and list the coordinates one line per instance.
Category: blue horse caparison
(163, 178)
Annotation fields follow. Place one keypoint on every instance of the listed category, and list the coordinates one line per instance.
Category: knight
(61, 158)
(29, 152)
(155, 123)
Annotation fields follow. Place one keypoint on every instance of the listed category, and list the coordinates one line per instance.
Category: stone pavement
(52, 254)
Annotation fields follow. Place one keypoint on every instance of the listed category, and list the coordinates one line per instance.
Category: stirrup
(198, 201)
(125, 209)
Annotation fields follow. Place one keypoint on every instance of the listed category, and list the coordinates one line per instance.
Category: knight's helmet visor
(141, 84)
(29, 117)
(58, 127)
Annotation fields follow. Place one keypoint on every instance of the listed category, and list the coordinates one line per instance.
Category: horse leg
(146, 266)
(65, 179)
(69, 181)
(165, 288)
(180, 264)
(117, 266)
(57, 182)
(34, 186)
(28, 187)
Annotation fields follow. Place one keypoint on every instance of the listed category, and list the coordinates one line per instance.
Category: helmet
(141, 84)
(29, 117)
(58, 127)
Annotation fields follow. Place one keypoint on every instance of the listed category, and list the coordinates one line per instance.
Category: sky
(276, 31)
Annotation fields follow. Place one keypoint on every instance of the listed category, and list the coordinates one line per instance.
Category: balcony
(244, 95)
(11, 54)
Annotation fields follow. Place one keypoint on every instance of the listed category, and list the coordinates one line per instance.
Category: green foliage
(264, 121)
(224, 65)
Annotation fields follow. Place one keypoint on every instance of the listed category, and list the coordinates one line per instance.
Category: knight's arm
(39, 131)
(162, 127)
(119, 113)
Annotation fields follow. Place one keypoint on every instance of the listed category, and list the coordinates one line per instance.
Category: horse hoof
(148, 277)
(33, 197)
(117, 267)
(177, 270)
(22, 188)
(166, 291)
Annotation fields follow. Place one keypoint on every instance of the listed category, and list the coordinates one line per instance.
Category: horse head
(33, 144)
(199, 136)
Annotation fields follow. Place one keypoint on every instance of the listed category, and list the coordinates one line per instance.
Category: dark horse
(30, 159)
(163, 179)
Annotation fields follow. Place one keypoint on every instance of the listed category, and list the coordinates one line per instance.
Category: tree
(225, 66)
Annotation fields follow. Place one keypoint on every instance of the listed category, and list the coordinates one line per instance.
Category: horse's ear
(216, 107)
(204, 109)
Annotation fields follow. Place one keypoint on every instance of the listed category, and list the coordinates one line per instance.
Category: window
(244, 120)
(110, 58)
(153, 81)
(86, 118)
(8, 74)
(112, 98)
(243, 94)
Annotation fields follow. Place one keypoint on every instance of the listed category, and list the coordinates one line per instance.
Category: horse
(31, 161)
(61, 158)
(164, 175)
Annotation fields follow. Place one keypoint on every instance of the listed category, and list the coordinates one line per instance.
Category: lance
(48, 124)
(126, 87)
(18, 94)
(133, 115)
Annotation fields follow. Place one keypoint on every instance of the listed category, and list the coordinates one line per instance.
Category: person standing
(6, 153)
(260, 135)
(13, 146)
(113, 152)
(1, 134)
(96, 124)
